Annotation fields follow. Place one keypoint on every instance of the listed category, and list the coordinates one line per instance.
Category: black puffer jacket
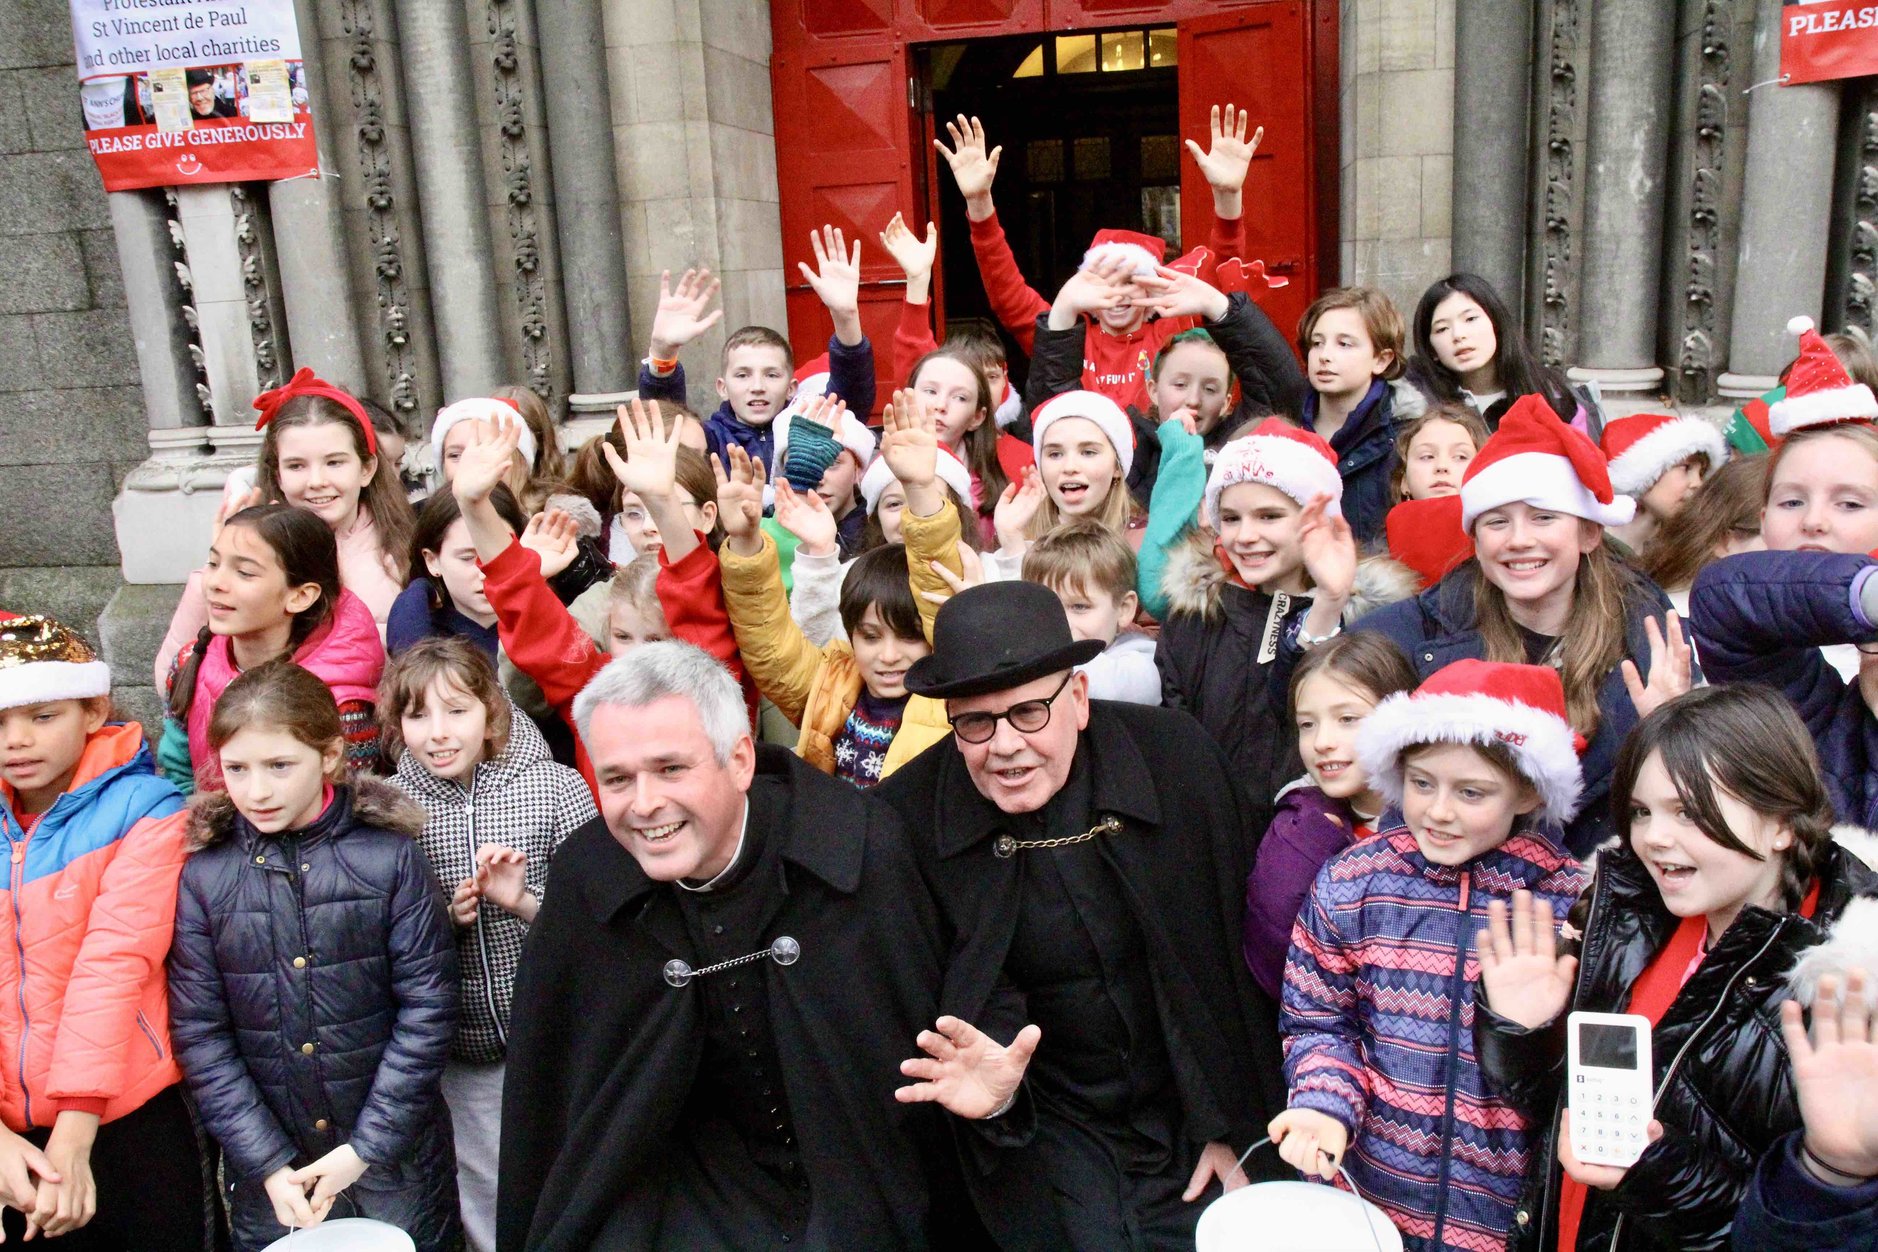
(1724, 1083)
(313, 996)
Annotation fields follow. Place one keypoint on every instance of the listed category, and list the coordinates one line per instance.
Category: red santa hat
(1145, 251)
(1519, 707)
(1641, 448)
(1276, 454)
(1096, 407)
(1536, 459)
(1819, 391)
(1427, 536)
(951, 471)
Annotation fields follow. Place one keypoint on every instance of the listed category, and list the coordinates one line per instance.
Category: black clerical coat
(1182, 856)
(603, 1053)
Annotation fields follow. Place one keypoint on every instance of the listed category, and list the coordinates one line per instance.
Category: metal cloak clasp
(784, 951)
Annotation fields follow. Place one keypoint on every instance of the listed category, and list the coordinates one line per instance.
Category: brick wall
(71, 410)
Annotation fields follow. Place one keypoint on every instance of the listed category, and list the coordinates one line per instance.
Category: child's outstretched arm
(974, 167)
(1322, 1027)
(1270, 379)
(679, 318)
(913, 337)
(779, 657)
(1174, 506)
(836, 279)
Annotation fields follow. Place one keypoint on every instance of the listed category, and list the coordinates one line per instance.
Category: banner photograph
(1827, 39)
(193, 91)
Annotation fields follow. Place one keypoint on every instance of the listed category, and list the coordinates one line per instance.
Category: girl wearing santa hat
(1660, 461)
(1544, 588)
(1726, 898)
(1481, 763)
(1272, 570)
(1784, 617)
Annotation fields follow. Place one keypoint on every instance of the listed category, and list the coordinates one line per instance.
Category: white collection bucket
(345, 1234)
(1294, 1217)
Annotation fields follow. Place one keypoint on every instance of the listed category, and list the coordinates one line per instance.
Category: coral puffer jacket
(90, 901)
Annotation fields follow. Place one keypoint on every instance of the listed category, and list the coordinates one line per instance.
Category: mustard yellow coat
(817, 688)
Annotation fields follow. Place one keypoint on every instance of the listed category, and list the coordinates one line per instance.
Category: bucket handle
(1369, 1221)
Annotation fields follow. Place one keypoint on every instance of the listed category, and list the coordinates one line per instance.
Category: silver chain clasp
(785, 951)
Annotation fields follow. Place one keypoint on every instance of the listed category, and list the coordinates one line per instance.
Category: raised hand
(231, 505)
(502, 873)
(1836, 1072)
(966, 1071)
(836, 278)
(914, 255)
(1672, 666)
(1104, 284)
(680, 316)
(910, 442)
(740, 499)
(487, 459)
(973, 574)
(1225, 162)
(650, 466)
(553, 536)
(973, 167)
(1329, 550)
(1309, 1141)
(805, 515)
(1016, 506)
(1171, 293)
(1525, 979)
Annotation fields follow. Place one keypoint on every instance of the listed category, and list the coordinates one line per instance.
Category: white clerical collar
(735, 856)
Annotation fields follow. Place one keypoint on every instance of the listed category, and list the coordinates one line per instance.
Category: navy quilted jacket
(1762, 617)
(313, 990)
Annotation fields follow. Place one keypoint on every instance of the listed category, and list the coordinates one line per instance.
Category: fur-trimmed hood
(1193, 580)
(374, 803)
(1852, 942)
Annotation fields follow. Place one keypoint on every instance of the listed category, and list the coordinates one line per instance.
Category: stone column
(313, 268)
(1627, 151)
(1492, 126)
(206, 215)
(1792, 136)
(440, 94)
(587, 218)
(146, 255)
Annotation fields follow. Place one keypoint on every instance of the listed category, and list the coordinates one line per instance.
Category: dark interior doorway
(1089, 123)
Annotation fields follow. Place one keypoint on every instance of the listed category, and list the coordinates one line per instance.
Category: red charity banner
(220, 150)
(1828, 39)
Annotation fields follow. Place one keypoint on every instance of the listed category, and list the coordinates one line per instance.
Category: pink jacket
(363, 570)
(346, 654)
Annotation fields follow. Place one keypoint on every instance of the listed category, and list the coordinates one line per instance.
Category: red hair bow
(306, 383)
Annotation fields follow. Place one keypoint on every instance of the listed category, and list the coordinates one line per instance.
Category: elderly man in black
(714, 998)
(1103, 1050)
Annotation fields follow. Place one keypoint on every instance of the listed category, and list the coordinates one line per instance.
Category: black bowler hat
(997, 636)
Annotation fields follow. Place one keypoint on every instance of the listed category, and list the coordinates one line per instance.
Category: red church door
(853, 147)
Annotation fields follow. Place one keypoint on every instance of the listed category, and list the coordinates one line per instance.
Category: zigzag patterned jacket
(1378, 1024)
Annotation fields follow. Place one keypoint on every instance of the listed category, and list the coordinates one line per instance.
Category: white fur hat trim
(1541, 743)
(41, 682)
(480, 409)
(1636, 470)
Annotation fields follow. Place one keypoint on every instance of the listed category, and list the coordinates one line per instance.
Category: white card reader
(1610, 1083)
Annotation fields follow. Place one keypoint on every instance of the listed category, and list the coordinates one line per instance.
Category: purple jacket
(1307, 829)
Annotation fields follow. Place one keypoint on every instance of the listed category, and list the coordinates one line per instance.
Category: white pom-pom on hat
(1799, 325)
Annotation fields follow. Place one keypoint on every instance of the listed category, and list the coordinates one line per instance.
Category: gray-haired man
(711, 1008)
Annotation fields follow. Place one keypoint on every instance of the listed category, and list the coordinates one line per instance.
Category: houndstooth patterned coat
(522, 800)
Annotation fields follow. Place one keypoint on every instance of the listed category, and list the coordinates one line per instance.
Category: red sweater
(549, 646)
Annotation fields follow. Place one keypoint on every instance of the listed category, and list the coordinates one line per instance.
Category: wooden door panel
(1257, 57)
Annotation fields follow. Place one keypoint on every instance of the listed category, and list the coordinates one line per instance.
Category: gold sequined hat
(42, 661)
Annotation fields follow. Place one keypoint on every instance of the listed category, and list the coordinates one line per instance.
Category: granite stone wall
(71, 411)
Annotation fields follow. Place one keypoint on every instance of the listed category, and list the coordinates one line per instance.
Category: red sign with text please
(1827, 39)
